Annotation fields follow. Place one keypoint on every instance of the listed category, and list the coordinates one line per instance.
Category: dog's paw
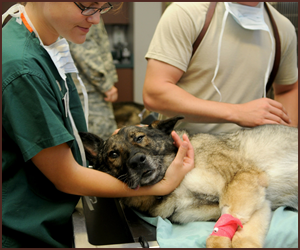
(214, 241)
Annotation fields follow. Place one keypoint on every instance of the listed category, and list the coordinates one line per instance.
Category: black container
(106, 224)
(109, 223)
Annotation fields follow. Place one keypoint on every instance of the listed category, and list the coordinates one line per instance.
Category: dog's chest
(202, 181)
(188, 197)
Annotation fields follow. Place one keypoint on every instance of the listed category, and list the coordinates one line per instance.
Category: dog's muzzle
(138, 169)
(137, 161)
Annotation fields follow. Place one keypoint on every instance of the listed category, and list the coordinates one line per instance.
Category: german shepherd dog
(245, 174)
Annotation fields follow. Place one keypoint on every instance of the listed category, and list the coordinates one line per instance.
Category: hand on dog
(182, 164)
(261, 111)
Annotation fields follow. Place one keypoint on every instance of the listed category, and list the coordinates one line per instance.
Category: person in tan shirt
(221, 88)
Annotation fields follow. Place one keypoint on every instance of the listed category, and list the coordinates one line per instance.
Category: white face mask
(61, 57)
(251, 18)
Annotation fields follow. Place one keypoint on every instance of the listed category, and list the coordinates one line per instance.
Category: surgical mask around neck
(61, 57)
(250, 18)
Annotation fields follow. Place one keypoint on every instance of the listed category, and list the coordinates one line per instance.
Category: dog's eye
(113, 154)
(139, 139)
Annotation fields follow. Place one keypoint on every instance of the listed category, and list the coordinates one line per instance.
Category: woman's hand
(181, 165)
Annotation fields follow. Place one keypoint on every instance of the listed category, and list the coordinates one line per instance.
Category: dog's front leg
(242, 202)
(254, 231)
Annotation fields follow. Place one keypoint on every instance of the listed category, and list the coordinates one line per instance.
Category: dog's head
(138, 156)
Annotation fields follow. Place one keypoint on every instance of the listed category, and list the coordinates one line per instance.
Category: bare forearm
(90, 182)
(96, 183)
(170, 100)
(290, 101)
(59, 166)
(161, 94)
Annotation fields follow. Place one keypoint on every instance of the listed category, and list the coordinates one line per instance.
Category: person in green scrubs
(42, 173)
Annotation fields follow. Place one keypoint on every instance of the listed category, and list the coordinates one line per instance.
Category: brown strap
(209, 15)
(277, 50)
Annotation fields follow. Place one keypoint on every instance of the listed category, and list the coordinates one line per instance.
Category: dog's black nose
(137, 160)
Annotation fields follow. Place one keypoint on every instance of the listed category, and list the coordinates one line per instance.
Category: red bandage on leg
(226, 226)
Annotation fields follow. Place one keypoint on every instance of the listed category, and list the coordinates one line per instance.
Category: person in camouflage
(94, 62)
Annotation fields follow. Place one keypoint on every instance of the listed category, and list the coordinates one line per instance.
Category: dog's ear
(166, 125)
(92, 146)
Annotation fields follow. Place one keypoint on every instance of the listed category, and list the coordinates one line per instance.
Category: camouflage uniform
(94, 62)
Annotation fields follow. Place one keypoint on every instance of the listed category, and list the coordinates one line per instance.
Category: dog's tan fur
(245, 174)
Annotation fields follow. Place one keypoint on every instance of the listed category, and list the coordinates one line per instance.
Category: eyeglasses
(89, 11)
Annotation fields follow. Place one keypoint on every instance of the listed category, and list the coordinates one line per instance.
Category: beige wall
(145, 16)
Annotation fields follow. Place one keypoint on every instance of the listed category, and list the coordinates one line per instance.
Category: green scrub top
(34, 212)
